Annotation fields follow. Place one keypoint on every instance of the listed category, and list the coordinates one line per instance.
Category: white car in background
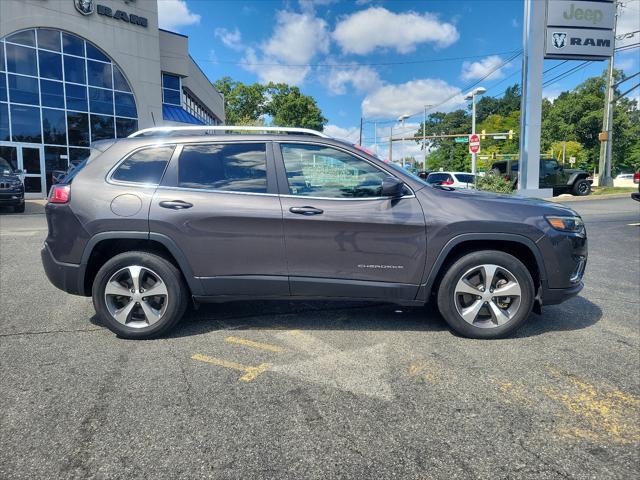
(451, 179)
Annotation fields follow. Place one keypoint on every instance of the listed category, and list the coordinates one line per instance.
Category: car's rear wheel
(19, 208)
(139, 295)
(582, 188)
(486, 294)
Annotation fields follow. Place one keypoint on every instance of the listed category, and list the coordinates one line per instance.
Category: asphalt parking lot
(323, 390)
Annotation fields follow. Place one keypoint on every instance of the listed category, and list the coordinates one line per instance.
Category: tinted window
(54, 128)
(95, 53)
(102, 128)
(125, 127)
(125, 104)
(3, 86)
(4, 122)
(78, 129)
(49, 39)
(21, 60)
(318, 171)
(24, 90)
(25, 124)
(120, 83)
(144, 166)
(501, 167)
(50, 65)
(27, 37)
(437, 177)
(171, 96)
(76, 97)
(74, 69)
(464, 178)
(52, 94)
(72, 44)
(234, 167)
(99, 74)
(101, 101)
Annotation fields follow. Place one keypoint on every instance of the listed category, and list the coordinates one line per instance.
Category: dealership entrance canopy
(76, 71)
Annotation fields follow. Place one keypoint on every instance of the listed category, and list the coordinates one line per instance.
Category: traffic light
(483, 134)
(510, 134)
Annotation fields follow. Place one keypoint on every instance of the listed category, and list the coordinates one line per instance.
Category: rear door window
(464, 178)
(144, 166)
(234, 167)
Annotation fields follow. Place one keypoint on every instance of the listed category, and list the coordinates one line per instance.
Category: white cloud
(392, 101)
(628, 21)
(350, 134)
(173, 14)
(477, 70)
(297, 38)
(231, 39)
(376, 27)
(551, 94)
(361, 78)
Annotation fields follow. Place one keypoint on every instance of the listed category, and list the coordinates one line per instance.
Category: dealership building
(76, 71)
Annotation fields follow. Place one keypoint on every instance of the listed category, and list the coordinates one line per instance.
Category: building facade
(76, 71)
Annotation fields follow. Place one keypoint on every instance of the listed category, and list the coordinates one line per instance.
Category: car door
(548, 173)
(218, 202)
(342, 238)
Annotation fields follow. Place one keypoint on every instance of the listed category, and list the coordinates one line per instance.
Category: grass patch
(612, 190)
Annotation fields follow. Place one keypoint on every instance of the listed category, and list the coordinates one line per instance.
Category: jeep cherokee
(149, 222)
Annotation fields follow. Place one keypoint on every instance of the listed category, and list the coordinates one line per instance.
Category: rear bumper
(554, 296)
(65, 276)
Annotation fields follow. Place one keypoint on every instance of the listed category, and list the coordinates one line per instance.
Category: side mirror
(392, 187)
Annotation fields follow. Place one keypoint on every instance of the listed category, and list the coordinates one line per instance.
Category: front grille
(5, 185)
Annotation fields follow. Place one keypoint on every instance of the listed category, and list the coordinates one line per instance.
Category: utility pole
(375, 137)
(604, 165)
(360, 138)
(391, 143)
(424, 139)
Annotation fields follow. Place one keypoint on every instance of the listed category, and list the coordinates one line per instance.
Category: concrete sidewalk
(32, 207)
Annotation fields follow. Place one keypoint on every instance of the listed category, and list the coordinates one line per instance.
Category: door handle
(306, 210)
(175, 204)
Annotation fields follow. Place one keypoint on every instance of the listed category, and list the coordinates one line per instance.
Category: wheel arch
(521, 247)
(577, 176)
(106, 245)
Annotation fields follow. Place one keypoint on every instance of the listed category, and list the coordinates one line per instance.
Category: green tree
(278, 104)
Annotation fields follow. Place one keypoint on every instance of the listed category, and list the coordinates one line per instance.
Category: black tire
(581, 188)
(18, 208)
(177, 293)
(447, 297)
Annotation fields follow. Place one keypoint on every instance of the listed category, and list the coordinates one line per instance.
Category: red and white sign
(474, 143)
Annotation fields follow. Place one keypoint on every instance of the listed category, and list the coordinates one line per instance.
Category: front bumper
(636, 196)
(65, 276)
(11, 199)
(554, 296)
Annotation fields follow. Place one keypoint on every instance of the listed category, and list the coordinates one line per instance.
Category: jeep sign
(580, 29)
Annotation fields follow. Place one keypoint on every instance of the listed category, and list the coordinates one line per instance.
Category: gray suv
(148, 223)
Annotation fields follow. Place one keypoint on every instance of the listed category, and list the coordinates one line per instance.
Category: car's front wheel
(486, 294)
(582, 188)
(139, 295)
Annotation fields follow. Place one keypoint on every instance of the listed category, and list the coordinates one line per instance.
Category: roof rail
(207, 129)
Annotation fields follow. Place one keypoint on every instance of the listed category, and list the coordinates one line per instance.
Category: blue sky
(372, 58)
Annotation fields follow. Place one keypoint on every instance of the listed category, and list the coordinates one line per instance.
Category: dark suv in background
(168, 215)
(11, 187)
(552, 175)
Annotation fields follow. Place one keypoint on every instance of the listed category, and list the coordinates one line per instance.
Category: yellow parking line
(250, 372)
(252, 344)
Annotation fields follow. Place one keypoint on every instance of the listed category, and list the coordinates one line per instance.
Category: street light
(401, 119)
(472, 96)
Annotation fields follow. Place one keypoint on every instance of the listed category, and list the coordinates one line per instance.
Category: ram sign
(579, 29)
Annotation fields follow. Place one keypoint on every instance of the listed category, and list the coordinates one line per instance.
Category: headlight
(567, 224)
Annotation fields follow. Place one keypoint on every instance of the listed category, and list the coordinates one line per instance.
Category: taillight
(447, 182)
(636, 177)
(60, 194)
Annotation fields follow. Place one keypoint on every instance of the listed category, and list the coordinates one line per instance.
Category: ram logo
(559, 39)
(85, 7)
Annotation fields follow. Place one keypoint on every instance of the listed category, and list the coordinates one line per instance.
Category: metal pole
(473, 131)
(402, 144)
(391, 143)
(375, 137)
(424, 139)
(604, 166)
(360, 138)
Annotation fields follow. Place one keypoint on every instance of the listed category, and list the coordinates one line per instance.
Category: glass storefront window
(50, 65)
(102, 127)
(54, 128)
(49, 39)
(59, 90)
(21, 60)
(25, 124)
(52, 94)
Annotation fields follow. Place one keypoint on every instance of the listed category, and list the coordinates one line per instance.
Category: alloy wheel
(487, 296)
(136, 296)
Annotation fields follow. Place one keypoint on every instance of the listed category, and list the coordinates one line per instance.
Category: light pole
(401, 119)
(472, 96)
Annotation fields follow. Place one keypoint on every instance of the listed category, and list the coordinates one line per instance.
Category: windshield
(5, 167)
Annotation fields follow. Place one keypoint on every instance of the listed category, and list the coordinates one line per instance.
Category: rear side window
(437, 177)
(144, 166)
(464, 178)
(234, 167)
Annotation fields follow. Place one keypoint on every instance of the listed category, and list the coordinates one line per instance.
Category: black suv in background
(552, 175)
(168, 215)
(11, 187)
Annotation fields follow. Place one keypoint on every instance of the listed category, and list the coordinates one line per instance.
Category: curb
(569, 198)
